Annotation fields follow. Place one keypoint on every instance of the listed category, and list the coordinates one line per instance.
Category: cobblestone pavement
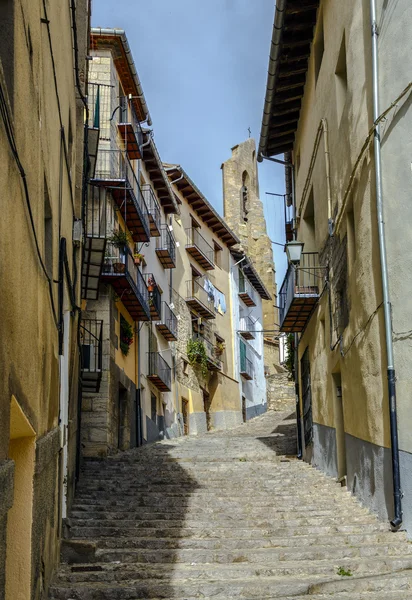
(225, 515)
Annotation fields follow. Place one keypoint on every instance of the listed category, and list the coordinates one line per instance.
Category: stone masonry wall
(280, 392)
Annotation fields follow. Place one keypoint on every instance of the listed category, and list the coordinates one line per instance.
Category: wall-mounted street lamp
(294, 251)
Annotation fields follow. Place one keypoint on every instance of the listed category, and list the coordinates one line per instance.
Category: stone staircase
(225, 515)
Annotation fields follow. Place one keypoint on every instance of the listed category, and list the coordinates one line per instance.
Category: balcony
(94, 243)
(199, 300)
(123, 275)
(115, 173)
(153, 208)
(300, 293)
(246, 292)
(155, 297)
(166, 248)
(247, 328)
(130, 130)
(160, 374)
(199, 248)
(246, 367)
(91, 335)
(168, 323)
(213, 361)
(99, 104)
(289, 231)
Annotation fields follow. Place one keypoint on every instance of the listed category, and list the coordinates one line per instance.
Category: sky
(203, 68)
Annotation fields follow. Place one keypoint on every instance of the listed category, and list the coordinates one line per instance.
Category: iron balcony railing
(166, 245)
(99, 102)
(304, 281)
(169, 319)
(246, 289)
(153, 208)
(91, 335)
(246, 367)
(211, 351)
(155, 297)
(247, 324)
(195, 289)
(159, 369)
(195, 238)
(128, 115)
(120, 261)
(96, 213)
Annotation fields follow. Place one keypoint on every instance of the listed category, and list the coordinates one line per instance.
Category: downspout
(397, 520)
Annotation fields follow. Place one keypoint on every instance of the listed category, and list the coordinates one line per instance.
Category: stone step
(220, 520)
(156, 529)
(328, 542)
(260, 556)
(191, 572)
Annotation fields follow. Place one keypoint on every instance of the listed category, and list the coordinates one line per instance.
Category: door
(339, 426)
(206, 405)
(122, 419)
(244, 414)
(185, 413)
(306, 397)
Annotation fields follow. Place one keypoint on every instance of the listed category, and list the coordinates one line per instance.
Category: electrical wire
(375, 312)
(12, 142)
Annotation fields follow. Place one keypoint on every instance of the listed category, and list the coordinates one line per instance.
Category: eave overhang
(292, 38)
(250, 272)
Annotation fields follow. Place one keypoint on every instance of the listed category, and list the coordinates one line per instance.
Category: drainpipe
(397, 520)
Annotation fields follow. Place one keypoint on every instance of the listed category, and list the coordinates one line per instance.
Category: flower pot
(119, 267)
(137, 261)
(150, 288)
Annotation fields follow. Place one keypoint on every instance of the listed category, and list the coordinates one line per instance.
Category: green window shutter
(242, 356)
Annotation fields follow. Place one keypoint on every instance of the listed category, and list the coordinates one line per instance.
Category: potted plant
(220, 348)
(126, 336)
(120, 239)
(138, 257)
(151, 284)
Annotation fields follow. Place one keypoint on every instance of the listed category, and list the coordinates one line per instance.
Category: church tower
(243, 212)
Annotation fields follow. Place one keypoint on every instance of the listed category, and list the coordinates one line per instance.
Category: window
(308, 231)
(319, 46)
(48, 232)
(341, 79)
(185, 367)
(244, 195)
(153, 406)
(297, 162)
(217, 255)
(7, 44)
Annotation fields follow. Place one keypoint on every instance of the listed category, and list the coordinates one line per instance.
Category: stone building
(243, 212)
(347, 126)
(210, 397)
(128, 326)
(41, 181)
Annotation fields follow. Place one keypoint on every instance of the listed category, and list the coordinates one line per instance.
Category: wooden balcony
(130, 130)
(123, 275)
(166, 248)
(91, 337)
(199, 248)
(159, 373)
(300, 293)
(246, 368)
(154, 210)
(115, 173)
(246, 292)
(213, 361)
(155, 297)
(167, 325)
(247, 328)
(199, 300)
(94, 243)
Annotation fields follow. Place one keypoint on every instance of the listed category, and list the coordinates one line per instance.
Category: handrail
(93, 329)
(246, 365)
(195, 238)
(158, 366)
(155, 297)
(120, 261)
(195, 290)
(151, 203)
(169, 318)
(166, 241)
(127, 109)
(210, 348)
(247, 324)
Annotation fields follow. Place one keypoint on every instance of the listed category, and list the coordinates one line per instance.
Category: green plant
(126, 336)
(220, 348)
(343, 572)
(120, 238)
(196, 354)
(290, 352)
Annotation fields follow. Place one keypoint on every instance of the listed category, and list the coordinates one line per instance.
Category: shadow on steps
(283, 439)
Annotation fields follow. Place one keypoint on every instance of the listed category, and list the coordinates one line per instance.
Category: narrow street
(225, 515)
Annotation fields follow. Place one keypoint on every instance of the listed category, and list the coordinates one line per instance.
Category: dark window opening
(153, 406)
(319, 46)
(48, 232)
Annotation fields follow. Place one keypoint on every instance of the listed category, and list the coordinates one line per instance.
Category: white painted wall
(254, 390)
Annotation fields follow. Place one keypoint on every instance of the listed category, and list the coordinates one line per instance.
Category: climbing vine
(290, 355)
(196, 354)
